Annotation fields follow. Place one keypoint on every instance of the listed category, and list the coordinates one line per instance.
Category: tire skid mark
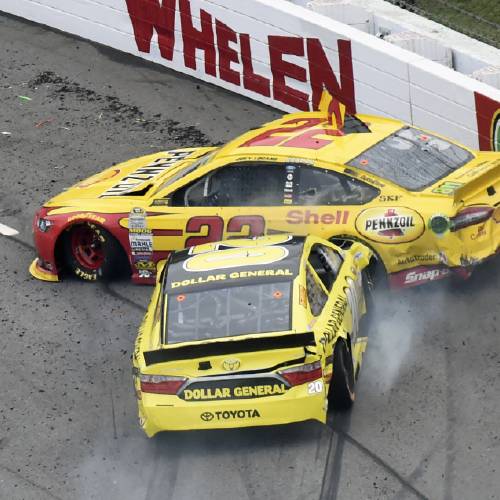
(451, 413)
(333, 464)
(113, 414)
(117, 295)
(382, 463)
(419, 469)
(163, 480)
(19, 241)
(30, 482)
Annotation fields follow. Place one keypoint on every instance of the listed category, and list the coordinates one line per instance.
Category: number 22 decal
(215, 227)
(311, 135)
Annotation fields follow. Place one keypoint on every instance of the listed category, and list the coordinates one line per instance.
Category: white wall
(280, 54)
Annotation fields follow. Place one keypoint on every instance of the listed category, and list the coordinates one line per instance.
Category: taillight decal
(470, 216)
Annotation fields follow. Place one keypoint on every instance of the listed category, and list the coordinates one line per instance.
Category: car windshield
(179, 174)
(412, 159)
(227, 312)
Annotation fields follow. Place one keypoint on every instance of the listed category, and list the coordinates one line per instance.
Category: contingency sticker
(141, 241)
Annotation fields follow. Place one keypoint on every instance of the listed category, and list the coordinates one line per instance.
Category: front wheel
(341, 395)
(92, 253)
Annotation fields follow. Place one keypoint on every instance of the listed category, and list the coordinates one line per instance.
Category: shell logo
(390, 224)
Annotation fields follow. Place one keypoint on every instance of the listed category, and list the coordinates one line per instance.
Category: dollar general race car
(250, 332)
(425, 205)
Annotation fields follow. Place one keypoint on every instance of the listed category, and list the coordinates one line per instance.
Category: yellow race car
(251, 332)
(425, 205)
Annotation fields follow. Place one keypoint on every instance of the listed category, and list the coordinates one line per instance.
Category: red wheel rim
(86, 247)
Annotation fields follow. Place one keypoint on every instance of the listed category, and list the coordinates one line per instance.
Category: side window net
(326, 263)
(315, 294)
(320, 187)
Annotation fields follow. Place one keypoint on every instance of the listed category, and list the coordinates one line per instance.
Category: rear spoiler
(483, 181)
(221, 348)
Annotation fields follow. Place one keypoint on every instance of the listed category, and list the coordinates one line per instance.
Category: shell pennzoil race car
(251, 332)
(425, 205)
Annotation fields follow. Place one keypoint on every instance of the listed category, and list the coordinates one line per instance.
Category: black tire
(110, 260)
(341, 395)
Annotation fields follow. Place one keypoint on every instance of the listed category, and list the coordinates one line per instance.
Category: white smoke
(397, 331)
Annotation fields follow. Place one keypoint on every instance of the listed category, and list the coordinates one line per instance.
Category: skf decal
(143, 174)
(309, 217)
(87, 216)
(390, 225)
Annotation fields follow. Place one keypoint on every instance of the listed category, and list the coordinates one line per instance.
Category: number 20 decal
(215, 227)
(315, 387)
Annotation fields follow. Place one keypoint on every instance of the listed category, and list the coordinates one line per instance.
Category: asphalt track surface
(425, 423)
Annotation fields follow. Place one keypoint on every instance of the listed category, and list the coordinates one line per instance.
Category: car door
(326, 202)
(235, 199)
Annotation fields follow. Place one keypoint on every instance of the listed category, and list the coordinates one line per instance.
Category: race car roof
(311, 136)
(234, 262)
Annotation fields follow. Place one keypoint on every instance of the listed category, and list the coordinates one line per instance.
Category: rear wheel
(92, 253)
(341, 395)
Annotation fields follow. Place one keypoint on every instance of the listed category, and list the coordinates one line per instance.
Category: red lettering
(227, 55)
(256, 224)
(271, 137)
(193, 38)
(311, 217)
(147, 15)
(327, 219)
(322, 75)
(487, 112)
(251, 80)
(310, 139)
(294, 217)
(214, 225)
(308, 217)
(280, 69)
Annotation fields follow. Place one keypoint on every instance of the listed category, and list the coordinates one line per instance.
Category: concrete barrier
(282, 55)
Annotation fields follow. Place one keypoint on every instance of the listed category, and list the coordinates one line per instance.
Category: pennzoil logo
(231, 365)
(390, 225)
(208, 416)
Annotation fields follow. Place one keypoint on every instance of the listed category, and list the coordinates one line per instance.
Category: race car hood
(136, 177)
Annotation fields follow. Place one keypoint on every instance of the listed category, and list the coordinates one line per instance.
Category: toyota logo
(206, 416)
(231, 365)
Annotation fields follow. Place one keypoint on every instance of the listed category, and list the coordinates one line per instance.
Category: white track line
(7, 231)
